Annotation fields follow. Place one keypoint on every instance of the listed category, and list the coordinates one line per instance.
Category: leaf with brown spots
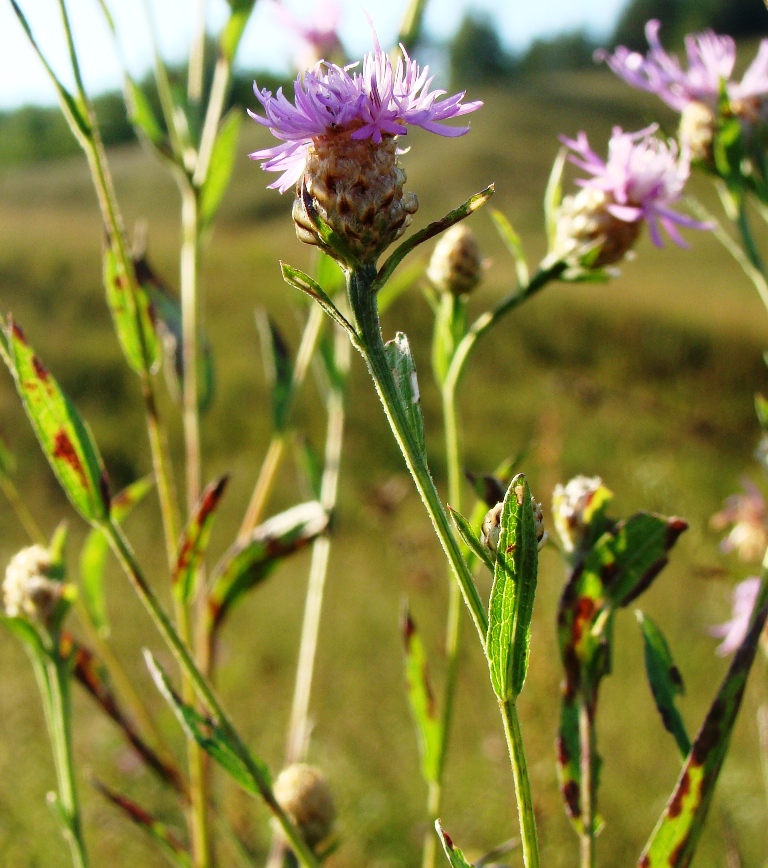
(172, 848)
(455, 856)
(247, 564)
(422, 701)
(64, 437)
(674, 840)
(194, 542)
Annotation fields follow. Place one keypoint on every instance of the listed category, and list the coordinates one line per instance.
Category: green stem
(588, 791)
(204, 690)
(22, 513)
(189, 308)
(522, 784)
(57, 676)
(363, 303)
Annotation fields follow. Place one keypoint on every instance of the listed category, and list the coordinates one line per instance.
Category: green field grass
(647, 381)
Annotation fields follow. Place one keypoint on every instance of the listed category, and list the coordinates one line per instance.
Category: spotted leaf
(422, 700)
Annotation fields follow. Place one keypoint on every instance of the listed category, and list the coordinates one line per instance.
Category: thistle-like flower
(28, 590)
(338, 146)
(733, 632)
(641, 179)
(747, 513)
(456, 264)
(302, 791)
(574, 507)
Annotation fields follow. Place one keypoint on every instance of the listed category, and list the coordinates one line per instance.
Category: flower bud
(697, 130)
(456, 265)
(574, 506)
(28, 590)
(356, 187)
(490, 530)
(583, 223)
(302, 791)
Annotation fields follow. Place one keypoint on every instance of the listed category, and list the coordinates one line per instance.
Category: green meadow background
(647, 381)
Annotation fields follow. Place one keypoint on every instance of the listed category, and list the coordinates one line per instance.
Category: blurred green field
(647, 381)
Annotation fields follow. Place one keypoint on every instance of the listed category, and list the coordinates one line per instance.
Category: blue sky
(22, 79)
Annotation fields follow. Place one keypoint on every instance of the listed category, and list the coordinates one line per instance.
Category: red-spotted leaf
(93, 555)
(195, 541)
(455, 856)
(63, 435)
(510, 607)
(665, 680)
(674, 840)
(132, 315)
(92, 676)
(172, 848)
(422, 700)
(247, 564)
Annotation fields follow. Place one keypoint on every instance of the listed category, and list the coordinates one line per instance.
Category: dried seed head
(585, 223)
(697, 130)
(302, 791)
(356, 187)
(491, 528)
(573, 506)
(28, 590)
(538, 517)
(456, 265)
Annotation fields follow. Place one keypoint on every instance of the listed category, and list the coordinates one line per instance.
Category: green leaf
(761, 408)
(170, 846)
(301, 281)
(278, 368)
(554, 194)
(221, 166)
(629, 557)
(513, 243)
(132, 315)
(422, 701)
(309, 464)
(194, 542)
(211, 738)
(142, 116)
(674, 840)
(23, 630)
(455, 856)
(467, 533)
(398, 283)
(569, 758)
(450, 328)
(510, 608)
(328, 273)
(64, 437)
(403, 367)
(665, 680)
(93, 555)
(232, 33)
(247, 564)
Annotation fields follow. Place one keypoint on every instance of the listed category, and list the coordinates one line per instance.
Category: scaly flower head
(733, 632)
(641, 179)
(338, 139)
(711, 59)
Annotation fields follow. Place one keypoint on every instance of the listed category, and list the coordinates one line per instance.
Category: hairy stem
(523, 794)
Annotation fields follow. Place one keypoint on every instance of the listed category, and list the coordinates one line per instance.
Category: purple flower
(733, 632)
(373, 102)
(641, 179)
(747, 513)
(711, 59)
(318, 37)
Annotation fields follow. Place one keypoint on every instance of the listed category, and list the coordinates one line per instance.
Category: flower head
(575, 506)
(303, 792)
(456, 264)
(711, 59)
(747, 513)
(733, 632)
(372, 102)
(640, 180)
(28, 589)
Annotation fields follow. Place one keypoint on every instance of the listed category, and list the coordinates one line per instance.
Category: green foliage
(455, 856)
(567, 51)
(403, 368)
(476, 53)
(278, 367)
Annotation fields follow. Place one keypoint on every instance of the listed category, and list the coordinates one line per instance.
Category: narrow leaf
(554, 195)
(467, 533)
(209, 735)
(194, 542)
(513, 243)
(142, 116)
(233, 30)
(404, 371)
(246, 565)
(328, 274)
(665, 680)
(510, 608)
(7, 459)
(221, 166)
(674, 840)
(278, 367)
(132, 315)
(93, 555)
(455, 856)
(422, 700)
(169, 844)
(398, 283)
(64, 437)
(301, 281)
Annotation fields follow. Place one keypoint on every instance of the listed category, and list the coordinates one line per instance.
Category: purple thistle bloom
(733, 632)
(642, 178)
(711, 59)
(375, 102)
